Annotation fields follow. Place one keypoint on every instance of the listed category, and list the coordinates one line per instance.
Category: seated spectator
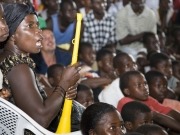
(90, 77)
(63, 23)
(49, 54)
(158, 89)
(99, 26)
(162, 63)
(18, 68)
(164, 14)
(134, 86)
(50, 7)
(151, 129)
(176, 69)
(111, 94)
(84, 95)
(104, 59)
(131, 23)
(101, 119)
(175, 48)
(136, 114)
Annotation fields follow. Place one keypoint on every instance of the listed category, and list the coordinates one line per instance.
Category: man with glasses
(132, 21)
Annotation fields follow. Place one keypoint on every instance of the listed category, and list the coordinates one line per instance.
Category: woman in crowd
(17, 67)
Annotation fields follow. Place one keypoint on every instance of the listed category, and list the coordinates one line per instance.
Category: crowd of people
(127, 77)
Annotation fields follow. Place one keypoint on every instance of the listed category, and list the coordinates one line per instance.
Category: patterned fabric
(99, 32)
(8, 63)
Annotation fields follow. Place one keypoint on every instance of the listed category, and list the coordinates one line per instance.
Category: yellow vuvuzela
(65, 121)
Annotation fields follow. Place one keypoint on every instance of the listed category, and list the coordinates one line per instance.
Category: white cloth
(111, 94)
(114, 8)
(129, 23)
(153, 4)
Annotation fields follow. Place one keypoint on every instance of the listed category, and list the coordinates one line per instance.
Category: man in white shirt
(132, 21)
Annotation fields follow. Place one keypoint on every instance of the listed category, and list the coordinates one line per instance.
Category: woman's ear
(128, 125)
(92, 132)
(126, 91)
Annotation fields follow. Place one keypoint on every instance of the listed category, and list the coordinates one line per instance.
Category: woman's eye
(113, 128)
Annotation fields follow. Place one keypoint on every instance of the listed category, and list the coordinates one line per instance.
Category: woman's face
(110, 124)
(28, 36)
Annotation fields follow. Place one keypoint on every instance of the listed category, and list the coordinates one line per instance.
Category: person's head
(161, 62)
(157, 83)
(98, 7)
(101, 119)
(151, 129)
(68, 10)
(176, 35)
(54, 73)
(4, 30)
(24, 33)
(111, 47)
(164, 4)
(133, 84)
(84, 95)
(135, 114)
(176, 69)
(48, 41)
(86, 53)
(104, 60)
(150, 41)
(51, 5)
(123, 62)
(137, 6)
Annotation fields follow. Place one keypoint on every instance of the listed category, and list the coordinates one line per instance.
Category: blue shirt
(62, 37)
(62, 57)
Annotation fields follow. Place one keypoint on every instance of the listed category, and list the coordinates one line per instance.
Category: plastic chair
(13, 121)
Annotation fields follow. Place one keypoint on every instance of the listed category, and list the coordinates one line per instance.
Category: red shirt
(151, 102)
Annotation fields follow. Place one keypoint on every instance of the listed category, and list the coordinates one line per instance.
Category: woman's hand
(70, 76)
(72, 92)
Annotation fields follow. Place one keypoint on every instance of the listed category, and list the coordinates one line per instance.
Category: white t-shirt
(111, 94)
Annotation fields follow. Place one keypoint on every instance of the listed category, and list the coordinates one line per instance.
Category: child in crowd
(54, 74)
(157, 83)
(151, 129)
(161, 62)
(122, 63)
(150, 42)
(135, 114)
(176, 69)
(101, 119)
(84, 95)
(88, 75)
(104, 59)
(134, 86)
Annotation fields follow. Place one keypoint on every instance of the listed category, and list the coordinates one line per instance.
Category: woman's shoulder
(11, 61)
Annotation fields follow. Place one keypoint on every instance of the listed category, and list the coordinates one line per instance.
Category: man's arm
(131, 38)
